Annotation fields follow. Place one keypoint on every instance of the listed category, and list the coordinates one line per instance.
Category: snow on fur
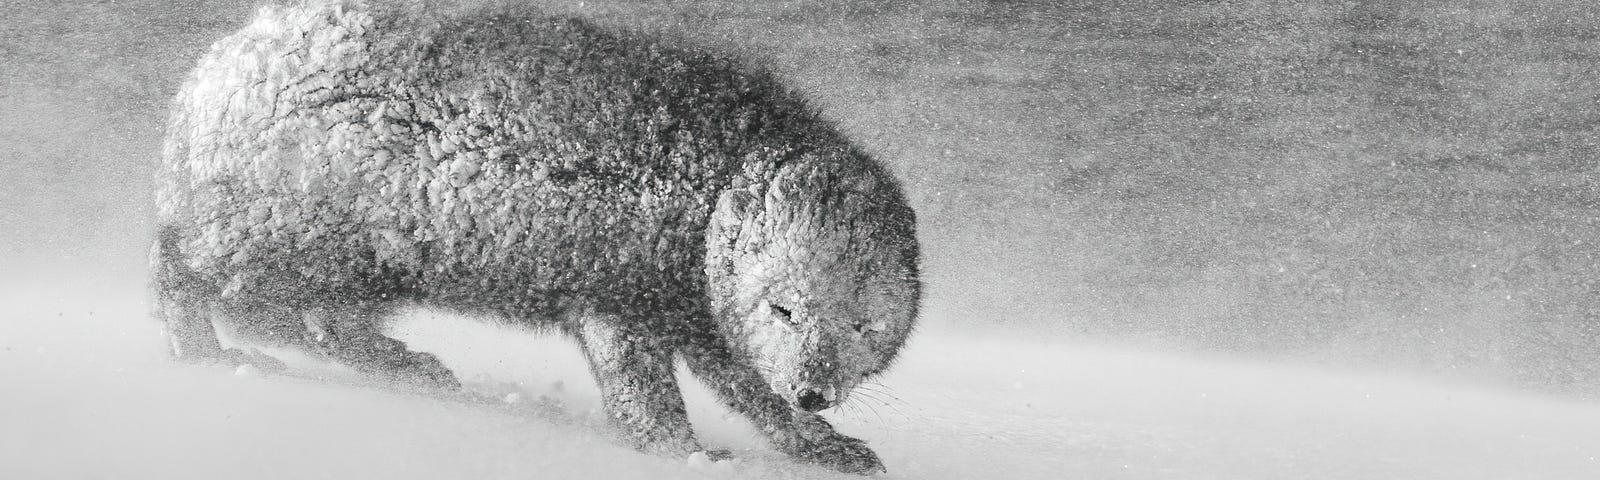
(331, 160)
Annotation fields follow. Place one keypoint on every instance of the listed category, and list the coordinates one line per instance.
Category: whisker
(875, 411)
(884, 391)
(880, 395)
(873, 396)
(880, 388)
(869, 388)
(855, 410)
(878, 384)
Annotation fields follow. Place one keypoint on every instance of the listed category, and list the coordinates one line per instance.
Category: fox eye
(778, 311)
(870, 327)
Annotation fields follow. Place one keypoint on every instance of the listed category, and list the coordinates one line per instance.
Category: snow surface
(88, 393)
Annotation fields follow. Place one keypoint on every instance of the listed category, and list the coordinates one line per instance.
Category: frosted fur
(331, 161)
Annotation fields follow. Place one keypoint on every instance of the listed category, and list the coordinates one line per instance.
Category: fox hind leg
(352, 334)
(188, 304)
(183, 302)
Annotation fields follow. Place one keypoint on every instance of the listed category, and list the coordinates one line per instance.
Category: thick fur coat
(333, 161)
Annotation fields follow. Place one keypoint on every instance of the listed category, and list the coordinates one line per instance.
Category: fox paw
(419, 368)
(260, 362)
(842, 453)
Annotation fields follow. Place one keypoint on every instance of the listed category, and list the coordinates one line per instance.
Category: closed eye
(870, 327)
(780, 312)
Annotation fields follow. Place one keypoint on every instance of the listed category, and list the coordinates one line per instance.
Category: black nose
(811, 400)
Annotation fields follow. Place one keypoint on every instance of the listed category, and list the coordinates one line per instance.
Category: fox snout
(814, 398)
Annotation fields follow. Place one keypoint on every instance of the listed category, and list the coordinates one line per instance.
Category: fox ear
(734, 207)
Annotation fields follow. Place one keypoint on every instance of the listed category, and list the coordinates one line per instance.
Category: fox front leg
(640, 395)
(801, 434)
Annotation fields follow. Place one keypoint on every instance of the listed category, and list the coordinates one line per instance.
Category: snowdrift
(89, 394)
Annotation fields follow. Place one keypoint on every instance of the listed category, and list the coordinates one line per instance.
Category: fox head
(815, 279)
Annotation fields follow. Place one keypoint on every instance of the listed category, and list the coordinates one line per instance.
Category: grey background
(1380, 184)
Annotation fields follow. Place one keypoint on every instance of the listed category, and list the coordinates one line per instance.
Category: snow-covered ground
(87, 393)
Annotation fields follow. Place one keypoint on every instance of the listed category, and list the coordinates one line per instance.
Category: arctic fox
(333, 161)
